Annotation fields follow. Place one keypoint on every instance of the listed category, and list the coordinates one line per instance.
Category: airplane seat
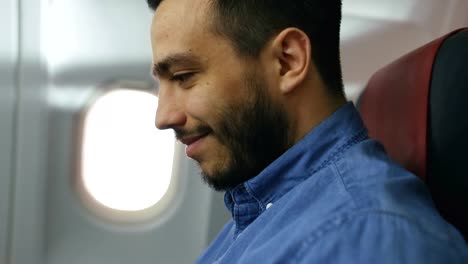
(417, 107)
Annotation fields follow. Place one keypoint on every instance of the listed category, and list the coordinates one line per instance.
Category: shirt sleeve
(381, 238)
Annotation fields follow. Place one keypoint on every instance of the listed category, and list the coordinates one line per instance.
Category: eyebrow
(164, 66)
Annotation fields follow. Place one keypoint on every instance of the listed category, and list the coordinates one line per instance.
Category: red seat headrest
(416, 107)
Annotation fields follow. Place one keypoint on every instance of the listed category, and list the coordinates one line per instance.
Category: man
(254, 89)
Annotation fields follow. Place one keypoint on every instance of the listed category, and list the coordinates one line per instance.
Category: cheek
(201, 106)
(208, 101)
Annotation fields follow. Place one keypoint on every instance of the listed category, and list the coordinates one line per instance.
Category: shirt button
(268, 206)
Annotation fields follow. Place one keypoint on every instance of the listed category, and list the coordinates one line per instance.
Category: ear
(293, 52)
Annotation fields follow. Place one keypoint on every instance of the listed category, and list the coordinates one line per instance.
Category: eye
(182, 77)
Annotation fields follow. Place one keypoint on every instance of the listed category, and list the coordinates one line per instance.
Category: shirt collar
(313, 152)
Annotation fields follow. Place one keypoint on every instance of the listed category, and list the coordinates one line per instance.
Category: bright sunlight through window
(126, 161)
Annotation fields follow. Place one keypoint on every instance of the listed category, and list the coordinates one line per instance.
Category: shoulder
(385, 215)
(377, 236)
(374, 181)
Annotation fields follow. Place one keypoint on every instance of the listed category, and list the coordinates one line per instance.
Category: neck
(309, 106)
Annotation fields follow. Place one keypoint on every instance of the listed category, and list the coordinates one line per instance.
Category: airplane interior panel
(8, 53)
(74, 72)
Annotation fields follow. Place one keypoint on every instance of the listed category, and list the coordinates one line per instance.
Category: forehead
(179, 26)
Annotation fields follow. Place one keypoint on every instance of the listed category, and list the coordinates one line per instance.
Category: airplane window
(126, 162)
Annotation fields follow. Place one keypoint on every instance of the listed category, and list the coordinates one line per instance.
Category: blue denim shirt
(335, 197)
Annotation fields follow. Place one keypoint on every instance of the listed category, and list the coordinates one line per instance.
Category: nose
(170, 113)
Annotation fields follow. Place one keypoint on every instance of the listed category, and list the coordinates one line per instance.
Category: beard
(255, 133)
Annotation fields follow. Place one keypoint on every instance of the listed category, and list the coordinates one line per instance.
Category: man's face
(217, 103)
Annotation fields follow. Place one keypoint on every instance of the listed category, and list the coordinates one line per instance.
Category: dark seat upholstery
(417, 107)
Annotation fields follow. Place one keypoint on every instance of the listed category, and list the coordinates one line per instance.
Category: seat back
(417, 107)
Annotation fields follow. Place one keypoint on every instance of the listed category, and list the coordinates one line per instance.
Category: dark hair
(250, 24)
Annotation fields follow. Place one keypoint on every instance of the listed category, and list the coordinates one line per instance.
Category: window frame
(161, 209)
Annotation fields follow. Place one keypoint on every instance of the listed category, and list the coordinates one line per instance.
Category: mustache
(181, 133)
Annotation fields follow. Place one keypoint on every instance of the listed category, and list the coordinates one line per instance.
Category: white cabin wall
(458, 17)
(41, 90)
(8, 103)
(30, 155)
(374, 33)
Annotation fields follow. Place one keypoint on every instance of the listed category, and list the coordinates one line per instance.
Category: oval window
(126, 163)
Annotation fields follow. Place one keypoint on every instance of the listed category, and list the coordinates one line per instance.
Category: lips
(190, 140)
(192, 143)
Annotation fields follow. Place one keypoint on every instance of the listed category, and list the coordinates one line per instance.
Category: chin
(210, 171)
(217, 177)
